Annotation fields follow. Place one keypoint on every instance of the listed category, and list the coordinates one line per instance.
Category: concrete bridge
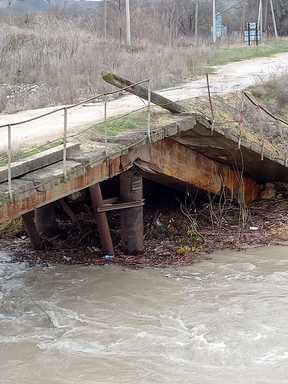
(183, 149)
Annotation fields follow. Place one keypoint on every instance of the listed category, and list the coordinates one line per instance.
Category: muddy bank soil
(178, 235)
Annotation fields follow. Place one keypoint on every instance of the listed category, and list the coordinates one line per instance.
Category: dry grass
(50, 59)
(274, 93)
(11, 228)
(65, 62)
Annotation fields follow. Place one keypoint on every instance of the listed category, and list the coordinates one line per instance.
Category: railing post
(210, 102)
(105, 118)
(9, 161)
(262, 149)
(149, 111)
(65, 144)
(241, 124)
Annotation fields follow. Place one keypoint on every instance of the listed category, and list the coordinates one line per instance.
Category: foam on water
(218, 321)
(70, 346)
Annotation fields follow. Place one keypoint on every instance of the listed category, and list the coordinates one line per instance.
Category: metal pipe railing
(74, 105)
(105, 119)
(149, 111)
(65, 125)
(65, 143)
(105, 96)
(9, 161)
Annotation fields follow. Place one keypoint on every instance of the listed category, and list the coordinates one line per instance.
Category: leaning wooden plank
(142, 92)
(37, 161)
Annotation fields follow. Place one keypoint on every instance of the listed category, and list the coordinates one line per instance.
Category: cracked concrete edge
(37, 161)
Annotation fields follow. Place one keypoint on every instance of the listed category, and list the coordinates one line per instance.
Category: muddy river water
(222, 320)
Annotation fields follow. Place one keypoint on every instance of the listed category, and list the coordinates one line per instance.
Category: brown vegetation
(274, 96)
(48, 60)
(57, 57)
(171, 238)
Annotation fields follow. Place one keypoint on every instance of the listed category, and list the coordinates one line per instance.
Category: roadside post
(252, 34)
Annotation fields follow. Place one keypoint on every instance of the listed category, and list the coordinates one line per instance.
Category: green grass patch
(137, 121)
(222, 56)
(114, 127)
(25, 153)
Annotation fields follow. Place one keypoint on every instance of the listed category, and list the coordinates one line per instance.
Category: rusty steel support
(101, 220)
(119, 206)
(68, 211)
(45, 221)
(31, 230)
(131, 189)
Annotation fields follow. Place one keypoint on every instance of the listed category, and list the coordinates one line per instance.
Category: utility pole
(105, 20)
(243, 16)
(196, 18)
(260, 19)
(120, 26)
(128, 23)
(273, 18)
(214, 36)
(266, 15)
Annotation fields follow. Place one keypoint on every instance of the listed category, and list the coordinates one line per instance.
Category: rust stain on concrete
(163, 158)
(177, 161)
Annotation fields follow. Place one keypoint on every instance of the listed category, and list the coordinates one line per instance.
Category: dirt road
(227, 78)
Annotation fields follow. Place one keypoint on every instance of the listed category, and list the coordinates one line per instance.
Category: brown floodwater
(222, 320)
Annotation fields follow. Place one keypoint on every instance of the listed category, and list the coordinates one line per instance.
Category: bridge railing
(65, 110)
(255, 123)
(242, 121)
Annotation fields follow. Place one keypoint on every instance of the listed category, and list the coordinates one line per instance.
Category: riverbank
(174, 235)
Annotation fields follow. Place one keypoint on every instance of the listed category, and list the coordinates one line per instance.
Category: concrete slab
(40, 160)
(99, 154)
(89, 158)
(46, 178)
(180, 153)
(20, 189)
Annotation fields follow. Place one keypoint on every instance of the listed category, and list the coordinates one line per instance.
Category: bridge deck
(214, 153)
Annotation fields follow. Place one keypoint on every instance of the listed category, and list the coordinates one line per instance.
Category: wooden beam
(101, 220)
(64, 205)
(31, 230)
(45, 221)
(142, 92)
(111, 200)
(182, 166)
(119, 206)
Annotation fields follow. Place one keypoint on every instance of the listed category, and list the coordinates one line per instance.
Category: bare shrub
(273, 92)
